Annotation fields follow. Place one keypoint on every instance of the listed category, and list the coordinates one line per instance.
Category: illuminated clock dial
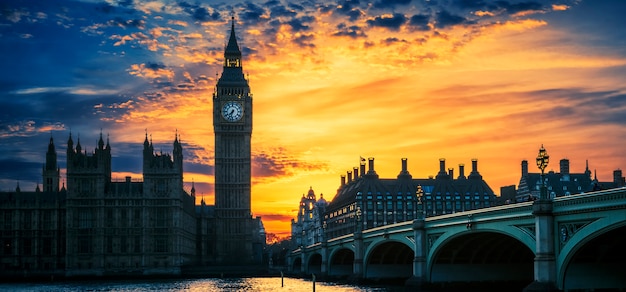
(232, 111)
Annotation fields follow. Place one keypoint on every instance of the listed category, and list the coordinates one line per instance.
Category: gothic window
(84, 244)
(7, 246)
(85, 219)
(47, 220)
(8, 221)
(137, 244)
(123, 244)
(160, 244)
(27, 245)
(27, 220)
(109, 244)
(47, 246)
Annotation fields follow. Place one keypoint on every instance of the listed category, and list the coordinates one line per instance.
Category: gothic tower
(232, 124)
(51, 172)
(162, 173)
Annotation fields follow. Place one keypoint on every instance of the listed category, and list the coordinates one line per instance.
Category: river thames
(211, 284)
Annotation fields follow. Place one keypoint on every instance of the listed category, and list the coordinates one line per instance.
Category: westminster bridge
(565, 243)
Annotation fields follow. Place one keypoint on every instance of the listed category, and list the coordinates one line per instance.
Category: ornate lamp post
(358, 218)
(542, 163)
(420, 207)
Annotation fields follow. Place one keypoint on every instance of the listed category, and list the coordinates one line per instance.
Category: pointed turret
(232, 54)
(51, 172)
(232, 82)
(78, 148)
(51, 156)
(100, 141)
(70, 144)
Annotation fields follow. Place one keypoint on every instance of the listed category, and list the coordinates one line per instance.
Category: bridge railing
(611, 199)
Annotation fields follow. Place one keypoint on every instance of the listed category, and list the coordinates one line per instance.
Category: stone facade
(562, 183)
(375, 201)
(309, 226)
(232, 124)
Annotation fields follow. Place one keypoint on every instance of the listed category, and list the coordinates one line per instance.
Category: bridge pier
(545, 264)
(303, 266)
(324, 253)
(357, 272)
(419, 280)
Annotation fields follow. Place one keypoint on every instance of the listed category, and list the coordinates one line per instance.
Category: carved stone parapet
(543, 207)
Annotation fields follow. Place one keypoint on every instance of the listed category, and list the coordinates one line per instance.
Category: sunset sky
(331, 81)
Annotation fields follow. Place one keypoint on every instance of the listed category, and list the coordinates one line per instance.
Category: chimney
(524, 168)
(343, 180)
(564, 164)
(461, 171)
(475, 173)
(404, 172)
(618, 179)
(349, 176)
(370, 161)
(442, 169)
(356, 172)
(362, 169)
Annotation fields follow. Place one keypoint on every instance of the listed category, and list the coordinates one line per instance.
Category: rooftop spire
(232, 54)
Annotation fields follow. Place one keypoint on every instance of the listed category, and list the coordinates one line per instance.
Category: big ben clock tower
(232, 124)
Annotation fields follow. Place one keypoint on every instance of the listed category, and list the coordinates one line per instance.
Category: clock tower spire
(232, 124)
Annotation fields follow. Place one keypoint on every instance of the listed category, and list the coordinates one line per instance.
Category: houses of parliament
(94, 226)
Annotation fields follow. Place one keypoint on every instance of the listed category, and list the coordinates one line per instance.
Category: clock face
(232, 111)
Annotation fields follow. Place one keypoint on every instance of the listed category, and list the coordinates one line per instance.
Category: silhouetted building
(33, 225)
(232, 122)
(507, 195)
(99, 227)
(387, 201)
(562, 183)
(309, 226)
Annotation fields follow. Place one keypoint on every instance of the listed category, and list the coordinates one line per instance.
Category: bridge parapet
(595, 201)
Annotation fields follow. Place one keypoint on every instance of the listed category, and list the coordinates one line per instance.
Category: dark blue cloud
(390, 4)
(513, 8)
(348, 8)
(252, 14)
(352, 31)
(281, 11)
(444, 19)
(300, 24)
(391, 23)
(420, 22)
(200, 13)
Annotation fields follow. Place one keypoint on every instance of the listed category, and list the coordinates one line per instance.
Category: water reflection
(191, 285)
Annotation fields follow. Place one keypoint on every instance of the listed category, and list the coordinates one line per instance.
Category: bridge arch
(341, 262)
(314, 264)
(296, 266)
(594, 257)
(389, 260)
(483, 256)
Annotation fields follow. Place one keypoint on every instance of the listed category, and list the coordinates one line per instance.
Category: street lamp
(542, 163)
(420, 207)
(358, 218)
